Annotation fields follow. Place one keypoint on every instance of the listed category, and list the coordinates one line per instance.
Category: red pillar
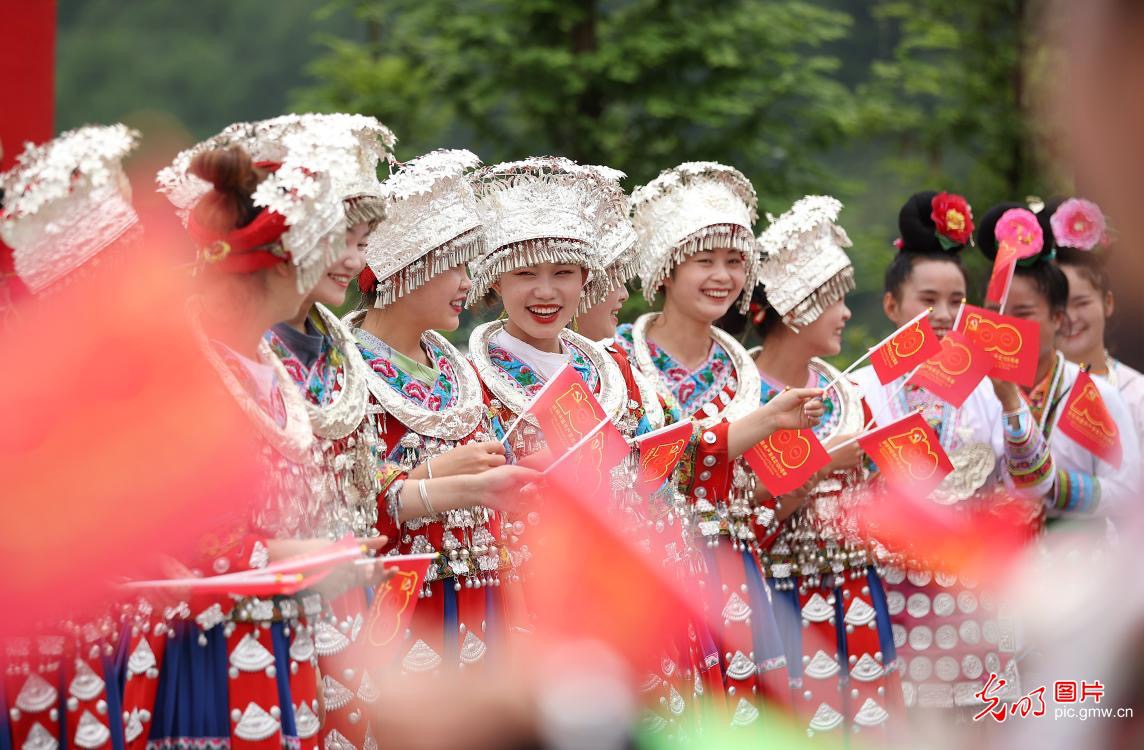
(27, 94)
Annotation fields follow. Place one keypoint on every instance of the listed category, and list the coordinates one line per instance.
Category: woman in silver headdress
(67, 209)
(444, 482)
(833, 613)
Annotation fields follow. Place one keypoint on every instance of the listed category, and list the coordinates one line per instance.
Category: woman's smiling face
(541, 300)
(707, 283)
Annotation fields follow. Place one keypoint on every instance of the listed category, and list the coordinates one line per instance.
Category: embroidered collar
(740, 375)
(844, 414)
(514, 382)
(449, 410)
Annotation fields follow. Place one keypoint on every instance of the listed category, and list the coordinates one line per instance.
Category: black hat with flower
(1017, 228)
(931, 222)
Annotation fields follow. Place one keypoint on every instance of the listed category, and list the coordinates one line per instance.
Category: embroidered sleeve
(1028, 462)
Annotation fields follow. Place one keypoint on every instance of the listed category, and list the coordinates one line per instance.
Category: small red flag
(909, 347)
(785, 460)
(565, 409)
(660, 452)
(908, 454)
(1012, 342)
(1086, 420)
(956, 371)
(587, 465)
(1008, 253)
(393, 605)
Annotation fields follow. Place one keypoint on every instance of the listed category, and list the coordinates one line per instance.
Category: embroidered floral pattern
(829, 420)
(532, 381)
(435, 398)
(691, 389)
(322, 382)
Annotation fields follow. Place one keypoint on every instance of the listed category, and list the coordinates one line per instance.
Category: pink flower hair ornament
(1078, 223)
(1020, 232)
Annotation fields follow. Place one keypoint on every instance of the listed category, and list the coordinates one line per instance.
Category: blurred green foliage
(866, 101)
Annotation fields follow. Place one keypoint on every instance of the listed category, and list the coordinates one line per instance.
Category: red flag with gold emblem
(910, 346)
(587, 465)
(1011, 342)
(1086, 420)
(955, 371)
(908, 454)
(787, 459)
(660, 452)
(393, 604)
(565, 409)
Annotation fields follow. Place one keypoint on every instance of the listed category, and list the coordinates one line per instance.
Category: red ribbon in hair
(367, 279)
(245, 249)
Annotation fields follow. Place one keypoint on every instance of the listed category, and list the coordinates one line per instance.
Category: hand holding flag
(1011, 342)
(903, 350)
(787, 459)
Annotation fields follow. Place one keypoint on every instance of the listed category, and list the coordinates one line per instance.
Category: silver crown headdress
(352, 146)
(699, 205)
(545, 209)
(67, 200)
(431, 225)
(617, 246)
(804, 268)
(322, 165)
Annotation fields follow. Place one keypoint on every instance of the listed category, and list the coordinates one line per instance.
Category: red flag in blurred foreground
(118, 443)
(599, 575)
(980, 544)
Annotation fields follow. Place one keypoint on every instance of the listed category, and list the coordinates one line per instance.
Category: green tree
(638, 85)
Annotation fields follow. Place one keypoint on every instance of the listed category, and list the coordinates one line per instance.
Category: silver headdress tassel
(805, 268)
(699, 205)
(66, 200)
(545, 209)
(432, 223)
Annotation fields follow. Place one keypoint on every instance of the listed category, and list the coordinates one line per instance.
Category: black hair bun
(921, 233)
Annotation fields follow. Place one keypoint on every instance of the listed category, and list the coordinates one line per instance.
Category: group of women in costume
(377, 425)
